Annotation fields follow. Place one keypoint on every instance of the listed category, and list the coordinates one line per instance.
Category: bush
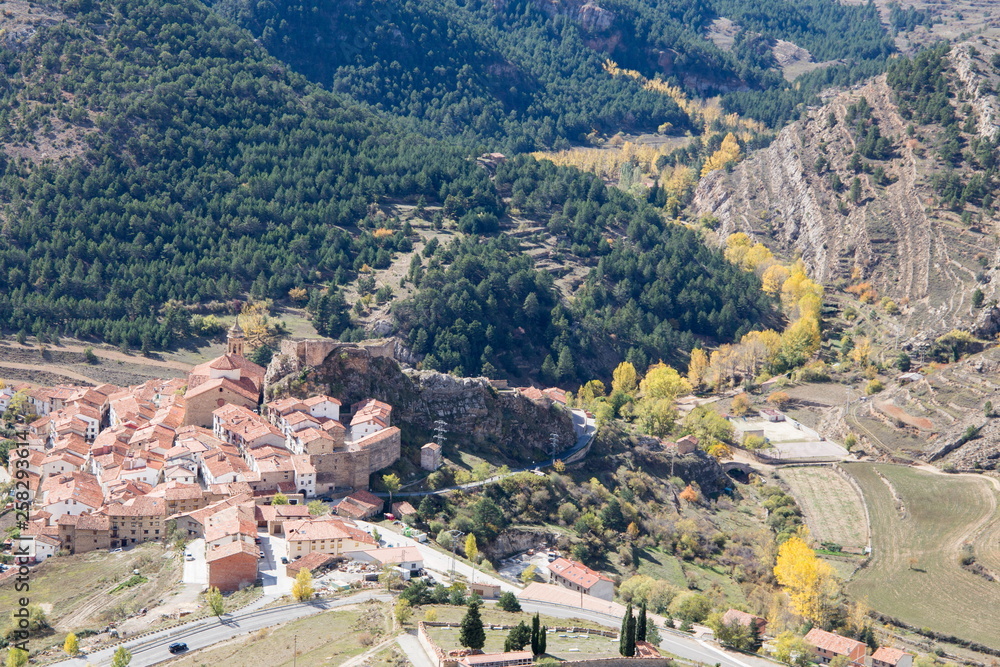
(691, 607)
(740, 405)
(874, 386)
(779, 399)
(508, 602)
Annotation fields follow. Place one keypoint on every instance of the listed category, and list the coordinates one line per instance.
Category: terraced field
(920, 522)
(832, 507)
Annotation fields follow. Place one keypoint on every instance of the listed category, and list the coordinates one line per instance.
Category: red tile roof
(312, 561)
(577, 573)
(832, 642)
(231, 549)
(888, 655)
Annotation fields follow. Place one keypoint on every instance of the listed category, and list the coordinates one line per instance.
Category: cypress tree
(472, 634)
(640, 628)
(535, 623)
(543, 639)
(623, 634)
(630, 637)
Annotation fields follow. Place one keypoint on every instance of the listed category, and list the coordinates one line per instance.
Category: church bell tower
(236, 339)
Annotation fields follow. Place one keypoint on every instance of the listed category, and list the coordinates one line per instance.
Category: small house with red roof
(886, 656)
(579, 577)
(827, 646)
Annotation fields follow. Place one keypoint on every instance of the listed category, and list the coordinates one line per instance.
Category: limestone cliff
(896, 236)
(503, 426)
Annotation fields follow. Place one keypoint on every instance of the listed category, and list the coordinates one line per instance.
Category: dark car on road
(178, 647)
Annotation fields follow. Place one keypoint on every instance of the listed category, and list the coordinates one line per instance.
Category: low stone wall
(618, 662)
(439, 657)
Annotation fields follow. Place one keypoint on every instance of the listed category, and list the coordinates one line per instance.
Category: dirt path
(927, 467)
(55, 370)
(106, 353)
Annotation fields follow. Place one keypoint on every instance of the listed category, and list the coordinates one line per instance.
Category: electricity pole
(439, 429)
(455, 535)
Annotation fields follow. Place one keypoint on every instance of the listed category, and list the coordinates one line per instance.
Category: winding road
(152, 649)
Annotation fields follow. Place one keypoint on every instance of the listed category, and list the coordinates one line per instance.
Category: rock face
(923, 258)
(501, 423)
(590, 16)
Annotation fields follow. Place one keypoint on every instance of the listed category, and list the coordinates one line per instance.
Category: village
(203, 462)
(107, 468)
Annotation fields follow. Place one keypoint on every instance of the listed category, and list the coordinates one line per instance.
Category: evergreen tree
(543, 639)
(549, 372)
(640, 628)
(535, 629)
(566, 368)
(623, 633)
(518, 637)
(855, 190)
(630, 637)
(755, 640)
(472, 634)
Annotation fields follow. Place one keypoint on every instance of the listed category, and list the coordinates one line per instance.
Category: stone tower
(236, 339)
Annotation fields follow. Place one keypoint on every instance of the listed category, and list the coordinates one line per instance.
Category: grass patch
(833, 510)
(134, 580)
(558, 647)
(328, 638)
(915, 574)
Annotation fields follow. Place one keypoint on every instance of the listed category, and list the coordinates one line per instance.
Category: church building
(231, 378)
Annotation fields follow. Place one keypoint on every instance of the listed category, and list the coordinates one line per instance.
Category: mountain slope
(527, 74)
(193, 168)
(886, 192)
(198, 166)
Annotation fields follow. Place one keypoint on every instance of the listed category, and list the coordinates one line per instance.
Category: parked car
(256, 540)
(177, 647)
(284, 560)
(116, 551)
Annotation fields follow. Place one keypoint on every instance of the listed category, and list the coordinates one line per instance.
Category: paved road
(585, 428)
(152, 649)
(436, 561)
(272, 572)
(195, 571)
(415, 653)
(685, 647)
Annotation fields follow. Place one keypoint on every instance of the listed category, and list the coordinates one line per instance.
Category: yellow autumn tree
(810, 583)
(758, 349)
(729, 151)
(697, 368)
(774, 277)
(737, 245)
(861, 354)
(797, 287)
(663, 382)
(302, 589)
(255, 319)
(678, 181)
(625, 378)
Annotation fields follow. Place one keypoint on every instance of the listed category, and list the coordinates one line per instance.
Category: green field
(833, 510)
(658, 564)
(915, 574)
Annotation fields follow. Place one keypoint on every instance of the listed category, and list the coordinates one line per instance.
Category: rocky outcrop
(518, 540)
(503, 424)
(921, 257)
(590, 16)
